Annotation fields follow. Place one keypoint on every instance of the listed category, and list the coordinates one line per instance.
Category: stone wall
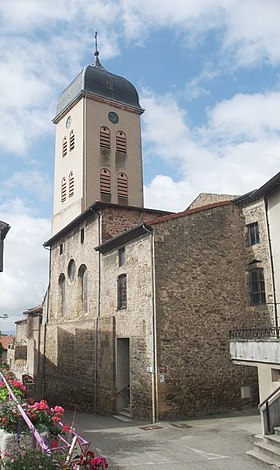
(201, 294)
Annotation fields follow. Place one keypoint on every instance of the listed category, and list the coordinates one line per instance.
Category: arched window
(71, 184)
(61, 294)
(63, 189)
(64, 147)
(72, 141)
(105, 137)
(71, 270)
(83, 291)
(105, 181)
(122, 185)
(121, 142)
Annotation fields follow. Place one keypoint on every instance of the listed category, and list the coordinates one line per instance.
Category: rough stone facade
(201, 294)
(79, 355)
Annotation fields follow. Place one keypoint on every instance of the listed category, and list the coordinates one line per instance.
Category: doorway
(123, 373)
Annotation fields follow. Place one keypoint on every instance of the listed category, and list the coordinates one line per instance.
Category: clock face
(113, 117)
(68, 122)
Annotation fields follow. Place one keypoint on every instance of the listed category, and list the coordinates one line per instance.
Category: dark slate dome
(98, 81)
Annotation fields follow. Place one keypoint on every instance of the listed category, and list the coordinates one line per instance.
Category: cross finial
(95, 37)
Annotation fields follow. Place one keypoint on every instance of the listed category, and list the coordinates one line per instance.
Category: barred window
(122, 298)
(257, 287)
(72, 141)
(64, 147)
(63, 190)
(253, 234)
(121, 142)
(105, 181)
(105, 137)
(122, 185)
(71, 184)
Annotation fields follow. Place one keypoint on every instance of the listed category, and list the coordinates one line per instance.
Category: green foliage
(32, 459)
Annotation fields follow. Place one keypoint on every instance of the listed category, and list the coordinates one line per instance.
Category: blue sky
(208, 75)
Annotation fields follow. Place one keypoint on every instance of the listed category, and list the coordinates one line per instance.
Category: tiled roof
(6, 341)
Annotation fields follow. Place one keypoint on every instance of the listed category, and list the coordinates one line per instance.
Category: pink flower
(58, 409)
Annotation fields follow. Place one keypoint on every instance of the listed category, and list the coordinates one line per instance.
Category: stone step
(268, 448)
(263, 457)
(277, 430)
(122, 417)
(273, 439)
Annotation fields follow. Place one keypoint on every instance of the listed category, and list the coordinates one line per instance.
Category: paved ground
(216, 443)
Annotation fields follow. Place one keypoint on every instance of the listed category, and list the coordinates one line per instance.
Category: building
(140, 301)
(4, 228)
(260, 347)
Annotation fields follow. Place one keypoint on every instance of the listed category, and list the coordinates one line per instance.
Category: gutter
(271, 263)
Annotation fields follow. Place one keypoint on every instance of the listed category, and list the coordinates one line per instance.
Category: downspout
(153, 325)
(45, 331)
(272, 265)
(98, 310)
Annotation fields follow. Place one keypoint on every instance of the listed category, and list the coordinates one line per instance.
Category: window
(61, 248)
(105, 137)
(121, 256)
(71, 184)
(61, 299)
(72, 270)
(83, 278)
(63, 190)
(82, 235)
(253, 234)
(257, 288)
(105, 181)
(121, 142)
(122, 291)
(72, 141)
(122, 185)
(64, 147)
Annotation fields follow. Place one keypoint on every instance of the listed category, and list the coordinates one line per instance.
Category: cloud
(33, 182)
(226, 155)
(25, 276)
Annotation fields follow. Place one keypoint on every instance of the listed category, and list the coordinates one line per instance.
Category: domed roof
(97, 80)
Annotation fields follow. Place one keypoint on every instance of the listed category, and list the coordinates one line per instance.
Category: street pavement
(216, 443)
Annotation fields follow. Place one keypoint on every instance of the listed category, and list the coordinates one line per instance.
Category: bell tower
(98, 154)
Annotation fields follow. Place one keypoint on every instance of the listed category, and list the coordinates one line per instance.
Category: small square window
(121, 256)
(61, 248)
(82, 235)
(253, 234)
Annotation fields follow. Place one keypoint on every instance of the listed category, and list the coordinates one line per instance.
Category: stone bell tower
(98, 153)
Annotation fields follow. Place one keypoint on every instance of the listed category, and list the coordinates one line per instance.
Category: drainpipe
(153, 324)
(98, 309)
(271, 264)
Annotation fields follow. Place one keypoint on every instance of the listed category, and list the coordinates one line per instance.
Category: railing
(255, 333)
(269, 410)
(64, 447)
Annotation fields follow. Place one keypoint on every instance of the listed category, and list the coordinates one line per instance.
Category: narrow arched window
(61, 294)
(105, 181)
(83, 281)
(72, 141)
(64, 147)
(63, 190)
(105, 137)
(121, 142)
(71, 184)
(122, 185)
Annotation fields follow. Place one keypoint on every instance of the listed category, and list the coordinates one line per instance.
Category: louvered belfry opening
(72, 140)
(63, 190)
(71, 184)
(122, 185)
(64, 147)
(105, 181)
(121, 142)
(105, 137)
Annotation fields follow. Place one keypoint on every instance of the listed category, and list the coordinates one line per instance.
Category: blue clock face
(113, 117)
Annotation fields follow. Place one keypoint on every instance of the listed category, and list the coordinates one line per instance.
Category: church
(140, 301)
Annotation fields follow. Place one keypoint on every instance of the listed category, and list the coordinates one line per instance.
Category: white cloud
(25, 276)
(213, 158)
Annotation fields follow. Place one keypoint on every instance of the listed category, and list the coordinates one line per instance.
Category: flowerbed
(16, 439)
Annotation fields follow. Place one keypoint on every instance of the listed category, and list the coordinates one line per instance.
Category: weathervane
(96, 53)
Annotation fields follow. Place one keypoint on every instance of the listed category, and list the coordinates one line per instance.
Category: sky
(208, 76)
